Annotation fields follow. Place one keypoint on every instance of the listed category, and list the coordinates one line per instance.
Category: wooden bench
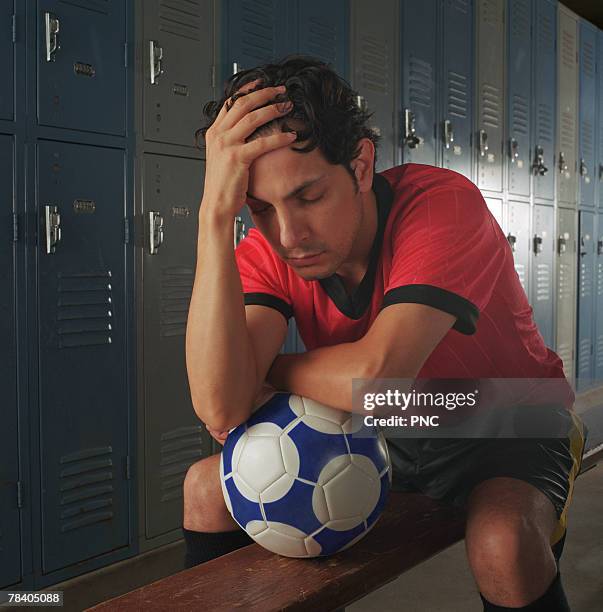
(412, 529)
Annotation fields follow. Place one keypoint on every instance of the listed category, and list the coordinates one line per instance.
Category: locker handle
(537, 244)
(52, 27)
(410, 137)
(583, 245)
(361, 102)
(448, 133)
(483, 143)
(239, 231)
(52, 222)
(511, 239)
(599, 247)
(583, 169)
(600, 172)
(513, 150)
(562, 164)
(155, 232)
(538, 166)
(562, 244)
(155, 61)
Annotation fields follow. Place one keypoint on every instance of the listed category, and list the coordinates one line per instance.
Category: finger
(259, 146)
(257, 118)
(248, 103)
(227, 103)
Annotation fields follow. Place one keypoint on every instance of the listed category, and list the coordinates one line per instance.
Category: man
(401, 274)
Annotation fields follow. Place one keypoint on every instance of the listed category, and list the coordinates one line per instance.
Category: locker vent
(420, 82)
(588, 59)
(586, 283)
(543, 282)
(568, 49)
(322, 40)
(520, 113)
(84, 309)
(565, 282)
(179, 449)
(98, 6)
(258, 39)
(491, 13)
(546, 42)
(568, 129)
(457, 94)
(181, 18)
(490, 105)
(176, 291)
(374, 65)
(521, 20)
(85, 485)
(545, 123)
(461, 5)
(521, 272)
(599, 337)
(587, 139)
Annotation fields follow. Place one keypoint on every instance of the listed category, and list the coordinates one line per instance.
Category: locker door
(587, 109)
(177, 63)
(81, 65)
(323, 32)
(585, 323)
(10, 527)
(519, 238)
(174, 438)
(83, 387)
(373, 65)
(519, 93)
(541, 266)
(599, 173)
(457, 85)
(598, 305)
(495, 206)
(544, 99)
(566, 289)
(7, 60)
(490, 93)
(567, 96)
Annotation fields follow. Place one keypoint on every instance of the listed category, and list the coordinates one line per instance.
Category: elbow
(218, 416)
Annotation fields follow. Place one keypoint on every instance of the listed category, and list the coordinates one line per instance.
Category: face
(313, 229)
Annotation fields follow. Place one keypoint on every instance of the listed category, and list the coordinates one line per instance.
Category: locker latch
(52, 27)
(448, 133)
(537, 244)
(52, 222)
(511, 239)
(361, 102)
(583, 169)
(538, 166)
(583, 245)
(483, 143)
(562, 163)
(410, 137)
(155, 61)
(513, 150)
(239, 230)
(599, 247)
(600, 172)
(155, 232)
(562, 243)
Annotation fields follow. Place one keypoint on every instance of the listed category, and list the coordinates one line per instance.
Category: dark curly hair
(323, 102)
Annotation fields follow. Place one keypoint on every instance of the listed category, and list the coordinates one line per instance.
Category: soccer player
(400, 274)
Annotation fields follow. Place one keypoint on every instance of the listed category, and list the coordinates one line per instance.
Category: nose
(293, 232)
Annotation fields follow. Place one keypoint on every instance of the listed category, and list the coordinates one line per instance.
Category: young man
(401, 274)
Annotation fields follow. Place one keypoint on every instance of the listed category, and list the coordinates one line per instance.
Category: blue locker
(10, 528)
(418, 39)
(599, 173)
(519, 95)
(81, 65)
(457, 86)
(586, 114)
(585, 319)
(598, 332)
(83, 384)
(7, 60)
(544, 108)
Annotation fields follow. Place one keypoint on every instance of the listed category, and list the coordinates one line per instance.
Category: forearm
(219, 356)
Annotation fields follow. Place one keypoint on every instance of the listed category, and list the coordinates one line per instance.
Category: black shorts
(448, 469)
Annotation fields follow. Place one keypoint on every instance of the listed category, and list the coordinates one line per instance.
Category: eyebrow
(296, 191)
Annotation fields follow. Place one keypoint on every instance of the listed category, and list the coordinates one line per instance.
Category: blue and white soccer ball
(297, 481)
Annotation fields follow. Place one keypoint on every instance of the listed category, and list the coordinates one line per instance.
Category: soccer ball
(298, 482)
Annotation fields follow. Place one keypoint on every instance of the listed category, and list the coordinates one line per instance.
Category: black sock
(203, 546)
(553, 600)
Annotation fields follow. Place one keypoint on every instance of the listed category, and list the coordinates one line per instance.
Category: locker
(10, 527)
(567, 109)
(174, 438)
(489, 55)
(7, 60)
(565, 282)
(518, 237)
(81, 65)
(83, 383)
(541, 267)
(178, 62)
(419, 95)
(585, 319)
(599, 172)
(587, 113)
(456, 56)
(598, 302)
(373, 70)
(544, 98)
(495, 206)
(519, 94)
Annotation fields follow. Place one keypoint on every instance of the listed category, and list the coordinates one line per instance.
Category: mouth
(306, 260)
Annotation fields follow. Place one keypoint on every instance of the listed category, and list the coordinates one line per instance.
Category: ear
(362, 164)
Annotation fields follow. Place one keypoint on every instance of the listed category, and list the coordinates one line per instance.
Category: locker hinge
(126, 230)
(14, 28)
(15, 227)
(128, 470)
(126, 55)
(19, 494)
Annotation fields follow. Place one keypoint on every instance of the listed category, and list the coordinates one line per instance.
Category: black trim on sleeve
(466, 312)
(265, 299)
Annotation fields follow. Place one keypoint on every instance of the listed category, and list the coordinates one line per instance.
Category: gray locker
(456, 57)
(544, 98)
(82, 65)
(10, 525)
(587, 114)
(489, 55)
(374, 65)
(7, 60)
(518, 236)
(565, 282)
(567, 109)
(418, 119)
(586, 291)
(83, 382)
(519, 93)
(541, 269)
(599, 172)
(495, 206)
(178, 62)
(173, 437)
(598, 305)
